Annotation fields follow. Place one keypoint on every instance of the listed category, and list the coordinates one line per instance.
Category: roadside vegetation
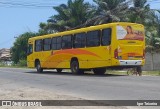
(20, 64)
(78, 13)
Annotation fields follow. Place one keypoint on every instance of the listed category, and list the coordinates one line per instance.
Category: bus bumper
(131, 62)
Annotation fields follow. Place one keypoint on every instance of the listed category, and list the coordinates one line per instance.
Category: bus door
(106, 45)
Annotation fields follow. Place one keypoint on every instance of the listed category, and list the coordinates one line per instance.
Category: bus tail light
(116, 53)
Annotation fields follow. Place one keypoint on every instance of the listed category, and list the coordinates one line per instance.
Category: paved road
(88, 86)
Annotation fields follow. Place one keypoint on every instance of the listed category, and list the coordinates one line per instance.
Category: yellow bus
(113, 45)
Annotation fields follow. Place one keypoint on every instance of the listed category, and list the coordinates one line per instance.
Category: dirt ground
(39, 94)
(30, 93)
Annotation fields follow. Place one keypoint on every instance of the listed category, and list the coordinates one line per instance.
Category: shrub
(22, 63)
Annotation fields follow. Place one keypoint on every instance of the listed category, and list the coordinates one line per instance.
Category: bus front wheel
(75, 67)
(38, 67)
(99, 71)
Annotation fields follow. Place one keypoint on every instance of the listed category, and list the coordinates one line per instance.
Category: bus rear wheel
(75, 67)
(38, 67)
(139, 70)
(99, 71)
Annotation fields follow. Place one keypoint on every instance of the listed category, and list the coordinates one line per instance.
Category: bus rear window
(130, 32)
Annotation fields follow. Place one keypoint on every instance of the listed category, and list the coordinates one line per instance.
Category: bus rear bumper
(130, 62)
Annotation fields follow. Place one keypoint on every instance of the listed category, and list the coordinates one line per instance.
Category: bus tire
(139, 70)
(38, 67)
(75, 67)
(59, 70)
(99, 71)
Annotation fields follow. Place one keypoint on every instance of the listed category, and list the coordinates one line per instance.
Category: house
(5, 56)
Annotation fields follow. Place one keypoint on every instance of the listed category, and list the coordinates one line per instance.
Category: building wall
(152, 61)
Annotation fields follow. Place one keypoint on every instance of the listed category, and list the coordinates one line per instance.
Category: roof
(5, 53)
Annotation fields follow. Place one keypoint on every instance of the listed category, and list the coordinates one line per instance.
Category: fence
(152, 61)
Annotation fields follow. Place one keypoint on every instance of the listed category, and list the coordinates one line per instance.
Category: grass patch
(12, 66)
(20, 64)
(152, 73)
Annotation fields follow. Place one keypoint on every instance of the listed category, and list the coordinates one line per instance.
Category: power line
(18, 4)
(26, 5)
(21, 4)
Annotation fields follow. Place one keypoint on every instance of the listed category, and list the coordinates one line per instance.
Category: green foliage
(70, 15)
(110, 11)
(140, 12)
(153, 34)
(22, 63)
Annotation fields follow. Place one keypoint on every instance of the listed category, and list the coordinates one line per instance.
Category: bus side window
(93, 38)
(47, 44)
(79, 40)
(56, 43)
(38, 45)
(30, 49)
(106, 36)
(67, 42)
(59, 41)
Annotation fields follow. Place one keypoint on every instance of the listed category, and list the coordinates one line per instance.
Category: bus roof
(84, 29)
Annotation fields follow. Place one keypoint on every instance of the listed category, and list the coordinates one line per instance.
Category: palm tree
(140, 12)
(153, 36)
(70, 15)
(109, 11)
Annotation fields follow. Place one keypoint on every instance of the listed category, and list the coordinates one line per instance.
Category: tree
(109, 11)
(140, 12)
(153, 36)
(19, 49)
(70, 15)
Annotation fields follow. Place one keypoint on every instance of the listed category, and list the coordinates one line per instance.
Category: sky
(18, 16)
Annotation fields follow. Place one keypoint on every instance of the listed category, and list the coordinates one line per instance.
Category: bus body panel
(88, 58)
